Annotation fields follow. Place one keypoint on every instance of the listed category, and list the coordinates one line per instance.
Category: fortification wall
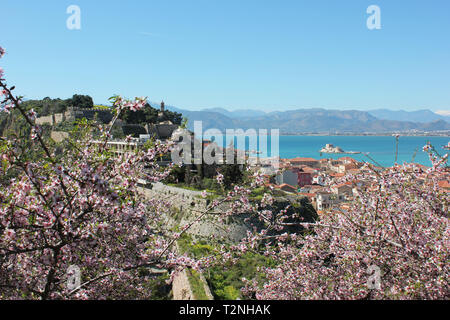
(45, 120)
(59, 117)
(102, 115)
(162, 130)
(73, 114)
(188, 205)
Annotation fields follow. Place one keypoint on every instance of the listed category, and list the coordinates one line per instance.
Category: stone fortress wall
(188, 205)
(73, 114)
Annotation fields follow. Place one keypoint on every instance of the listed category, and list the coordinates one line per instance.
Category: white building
(287, 177)
(319, 179)
(327, 200)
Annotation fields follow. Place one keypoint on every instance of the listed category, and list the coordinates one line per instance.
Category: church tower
(161, 112)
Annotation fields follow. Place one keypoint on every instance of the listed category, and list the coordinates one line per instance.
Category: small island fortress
(330, 148)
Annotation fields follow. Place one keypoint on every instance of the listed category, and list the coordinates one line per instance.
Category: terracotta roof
(309, 195)
(347, 159)
(303, 159)
(338, 175)
(308, 169)
(444, 184)
(287, 186)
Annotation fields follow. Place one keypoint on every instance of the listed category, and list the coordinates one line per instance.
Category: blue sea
(380, 148)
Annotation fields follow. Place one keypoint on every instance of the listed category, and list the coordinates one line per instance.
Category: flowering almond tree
(392, 242)
(79, 210)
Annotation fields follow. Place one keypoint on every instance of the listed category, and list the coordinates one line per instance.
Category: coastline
(355, 134)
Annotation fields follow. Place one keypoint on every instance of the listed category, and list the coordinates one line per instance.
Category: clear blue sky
(260, 54)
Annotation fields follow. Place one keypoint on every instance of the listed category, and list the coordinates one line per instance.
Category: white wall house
(326, 200)
(319, 179)
(287, 177)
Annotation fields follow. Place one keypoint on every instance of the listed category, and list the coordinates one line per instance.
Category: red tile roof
(337, 175)
(308, 169)
(444, 184)
(287, 186)
(309, 195)
(303, 159)
(346, 184)
(347, 159)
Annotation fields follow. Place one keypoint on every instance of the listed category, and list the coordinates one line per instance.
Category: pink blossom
(7, 108)
(10, 233)
(32, 114)
(219, 178)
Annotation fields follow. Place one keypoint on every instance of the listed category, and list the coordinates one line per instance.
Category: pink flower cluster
(82, 207)
(2, 53)
(133, 105)
(399, 223)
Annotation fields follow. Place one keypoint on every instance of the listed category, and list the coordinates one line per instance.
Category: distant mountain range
(414, 116)
(317, 120)
(244, 113)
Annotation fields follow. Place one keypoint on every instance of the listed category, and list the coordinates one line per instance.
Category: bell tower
(161, 111)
